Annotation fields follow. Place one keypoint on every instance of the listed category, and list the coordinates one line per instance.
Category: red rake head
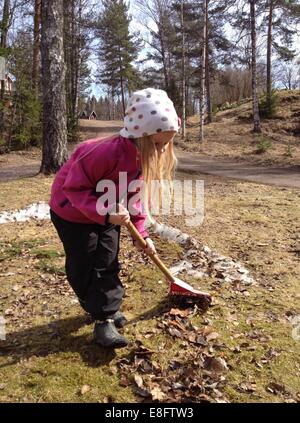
(178, 287)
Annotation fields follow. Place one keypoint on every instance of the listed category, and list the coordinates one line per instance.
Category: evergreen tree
(280, 19)
(162, 42)
(26, 123)
(118, 49)
(76, 54)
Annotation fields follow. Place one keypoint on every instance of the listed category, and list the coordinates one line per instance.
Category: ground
(173, 356)
(230, 136)
(230, 148)
(243, 348)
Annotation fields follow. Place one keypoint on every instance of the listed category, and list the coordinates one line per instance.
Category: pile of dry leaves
(196, 374)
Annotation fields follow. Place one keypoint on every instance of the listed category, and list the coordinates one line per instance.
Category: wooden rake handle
(154, 257)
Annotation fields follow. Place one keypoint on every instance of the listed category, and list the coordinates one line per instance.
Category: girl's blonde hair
(158, 167)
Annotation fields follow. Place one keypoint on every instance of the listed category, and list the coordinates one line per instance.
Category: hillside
(231, 136)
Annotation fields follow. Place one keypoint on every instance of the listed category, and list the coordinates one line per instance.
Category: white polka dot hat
(149, 111)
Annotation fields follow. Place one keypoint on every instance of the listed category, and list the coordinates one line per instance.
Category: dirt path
(279, 176)
(26, 164)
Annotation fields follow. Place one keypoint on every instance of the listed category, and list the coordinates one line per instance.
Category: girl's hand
(150, 249)
(121, 217)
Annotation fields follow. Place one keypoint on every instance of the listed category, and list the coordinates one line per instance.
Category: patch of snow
(38, 211)
(170, 234)
(200, 261)
(204, 260)
(182, 266)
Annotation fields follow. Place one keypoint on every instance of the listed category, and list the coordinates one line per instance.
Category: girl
(90, 232)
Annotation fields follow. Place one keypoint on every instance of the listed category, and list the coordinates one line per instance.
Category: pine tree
(36, 46)
(54, 152)
(118, 49)
(26, 124)
(282, 15)
(73, 43)
(5, 24)
(245, 21)
(256, 118)
(162, 43)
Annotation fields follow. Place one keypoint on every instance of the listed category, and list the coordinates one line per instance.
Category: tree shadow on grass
(59, 336)
(169, 302)
(55, 337)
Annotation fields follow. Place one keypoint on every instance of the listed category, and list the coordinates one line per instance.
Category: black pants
(92, 265)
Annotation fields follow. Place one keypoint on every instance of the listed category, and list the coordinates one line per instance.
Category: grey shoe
(106, 335)
(119, 319)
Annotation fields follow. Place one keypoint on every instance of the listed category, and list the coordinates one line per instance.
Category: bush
(215, 109)
(289, 151)
(263, 145)
(268, 109)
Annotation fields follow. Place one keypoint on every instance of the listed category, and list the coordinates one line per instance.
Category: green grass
(49, 355)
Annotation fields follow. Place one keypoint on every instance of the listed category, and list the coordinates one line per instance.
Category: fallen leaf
(139, 381)
(276, 388)
(178, 385)
(247, 387)
(177, 324)
(191, 337)
(207, 330)
(142, 392)
(211, 336)
(124, 381)
(157, 393)
(175, 332)
(85, 389)
(200, 340)
(178, 312)
(215, 364)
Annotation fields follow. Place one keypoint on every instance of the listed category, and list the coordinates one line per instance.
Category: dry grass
(49, 355)
(230, 135)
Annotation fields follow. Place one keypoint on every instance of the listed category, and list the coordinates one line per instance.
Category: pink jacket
(73, 193)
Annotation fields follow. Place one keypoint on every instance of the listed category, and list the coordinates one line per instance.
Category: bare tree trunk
(68, 53)
(256, 118)
(202, 75)
(122, 93)
(113, 105)
(73, 61)
(207, 69)
(72, 51)
(3, 45)
(183, 71)
(36, 46)
(158, 11)
(54, 152)
(269, 54)
(162, 10)
(5, 23)
(78, 61)
(161, 33)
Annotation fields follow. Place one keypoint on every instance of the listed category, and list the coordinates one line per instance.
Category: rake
(176, 285)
